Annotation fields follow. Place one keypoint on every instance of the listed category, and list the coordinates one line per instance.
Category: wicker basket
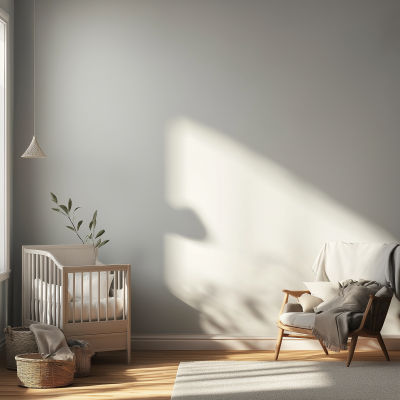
(18, 341)
(35, 372)
(83, 357)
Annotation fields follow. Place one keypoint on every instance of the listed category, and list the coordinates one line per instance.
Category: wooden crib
(68, 287)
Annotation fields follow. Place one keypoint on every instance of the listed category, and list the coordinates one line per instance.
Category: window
(4, 151)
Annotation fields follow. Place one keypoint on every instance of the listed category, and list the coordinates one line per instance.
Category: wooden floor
(152, 373)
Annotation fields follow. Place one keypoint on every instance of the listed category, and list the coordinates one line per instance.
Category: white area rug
(286, 380)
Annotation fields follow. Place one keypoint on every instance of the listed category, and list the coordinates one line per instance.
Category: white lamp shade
(34, 150)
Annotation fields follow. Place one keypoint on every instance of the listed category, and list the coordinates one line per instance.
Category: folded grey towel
(51, 342)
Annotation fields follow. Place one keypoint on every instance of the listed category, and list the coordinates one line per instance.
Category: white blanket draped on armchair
(338, 261)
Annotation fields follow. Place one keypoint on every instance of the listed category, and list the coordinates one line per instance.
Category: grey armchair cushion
(298, 319)
(292, 307)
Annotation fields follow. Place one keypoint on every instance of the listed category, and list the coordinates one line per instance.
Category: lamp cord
(34, 68)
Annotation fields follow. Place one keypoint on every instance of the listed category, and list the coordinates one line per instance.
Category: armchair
(370, 326)
(339, 261)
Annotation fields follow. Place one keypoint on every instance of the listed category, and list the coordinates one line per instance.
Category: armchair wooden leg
(278, 343)
(323, 346)
(383, 347)
(351, 350)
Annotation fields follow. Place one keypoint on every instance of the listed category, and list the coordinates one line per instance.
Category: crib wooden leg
(128, 350)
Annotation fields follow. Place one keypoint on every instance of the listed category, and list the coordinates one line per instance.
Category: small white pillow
(54, 291)
(104, 285)
(324, 290)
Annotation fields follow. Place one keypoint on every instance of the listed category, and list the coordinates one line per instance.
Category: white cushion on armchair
(324, 290)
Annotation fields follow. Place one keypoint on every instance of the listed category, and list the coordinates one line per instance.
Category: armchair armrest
(294, 293)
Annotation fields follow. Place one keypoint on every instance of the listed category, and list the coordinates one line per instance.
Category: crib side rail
(42, 282)
(99, 293)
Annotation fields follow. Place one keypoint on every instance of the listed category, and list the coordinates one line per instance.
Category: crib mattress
(85, 307)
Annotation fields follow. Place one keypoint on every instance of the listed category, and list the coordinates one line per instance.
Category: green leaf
(90, 236)
(98, 243)
(69, 204)
(79, 225)
(103, 243)
(65, 209)
(77, 208)
(94, 216)
(56, 209)
(94, 224)
(100, 233)
(53, 197)
(70, 227)
(90, 225)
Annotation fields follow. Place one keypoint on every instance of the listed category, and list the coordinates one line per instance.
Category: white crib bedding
(86, 304)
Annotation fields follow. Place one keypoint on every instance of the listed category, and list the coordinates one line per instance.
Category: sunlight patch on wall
(264, 225)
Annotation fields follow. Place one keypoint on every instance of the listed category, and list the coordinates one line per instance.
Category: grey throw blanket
(335, 318)
(51, 342)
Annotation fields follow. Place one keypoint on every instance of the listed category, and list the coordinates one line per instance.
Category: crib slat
(55, 295)
(41, 287)
(90, 297)
(107, 297)
(115, 294)
(82, 297)
(32, 296)
(53, 306)
(73, 294)
(58, 297)
(48, 287)
(61, 290)
(51, 293)
(98, 297)
(37, 290)
(124, 299)
(54, 310)
(118, 283)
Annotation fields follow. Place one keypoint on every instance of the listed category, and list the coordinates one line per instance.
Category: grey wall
(5, 306)
(4, 309)
(222, 142)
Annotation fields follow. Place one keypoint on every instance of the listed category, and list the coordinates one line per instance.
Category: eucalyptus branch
(75, 229)
(66, 211)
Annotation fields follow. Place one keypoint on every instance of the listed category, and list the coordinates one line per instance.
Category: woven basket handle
(8, 331)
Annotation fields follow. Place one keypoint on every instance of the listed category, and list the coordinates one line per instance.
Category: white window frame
(5, 180)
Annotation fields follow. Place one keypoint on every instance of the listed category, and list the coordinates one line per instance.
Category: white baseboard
(223, 342)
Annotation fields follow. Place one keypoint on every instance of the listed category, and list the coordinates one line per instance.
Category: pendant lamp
(34, 150)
